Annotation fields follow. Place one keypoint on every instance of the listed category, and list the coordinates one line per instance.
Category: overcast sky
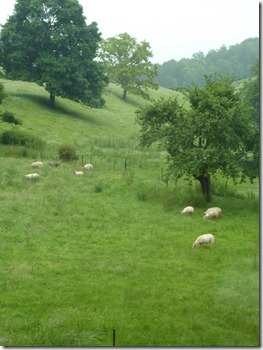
(174, 29)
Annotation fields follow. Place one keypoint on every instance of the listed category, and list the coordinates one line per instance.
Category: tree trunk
(124, 94)
(205, 185)
(52, 100)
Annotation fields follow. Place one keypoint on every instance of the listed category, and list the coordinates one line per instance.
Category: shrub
(98, 188)
(2, 93)
(67, 153)
(21, 138)
(8, 117)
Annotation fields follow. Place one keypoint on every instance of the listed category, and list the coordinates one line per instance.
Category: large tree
(213, 135)
(252, 99)
(128, 64)
(49, 42)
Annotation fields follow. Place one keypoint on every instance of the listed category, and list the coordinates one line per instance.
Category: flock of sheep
(37, 165)
(86, 167)
(211, 213)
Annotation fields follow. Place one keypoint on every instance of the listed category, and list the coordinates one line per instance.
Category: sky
(174, 29)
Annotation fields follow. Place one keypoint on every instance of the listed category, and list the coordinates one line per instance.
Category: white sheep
(213, 213)
(79, 173)
(188, 210)
(32, 176)
(37, 165)
(207, 238)
(88, 167)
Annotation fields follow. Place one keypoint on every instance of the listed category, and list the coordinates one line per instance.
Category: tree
(251, 90)
(127, 64)
(209, 137)
(48, 42)
(234, 61)
(252, 99)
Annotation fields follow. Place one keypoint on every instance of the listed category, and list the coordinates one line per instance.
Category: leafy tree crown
(127, 64)
(48, 42)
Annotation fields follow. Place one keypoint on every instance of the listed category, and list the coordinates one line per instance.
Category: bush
(98, 188)
(8, 117)
(21, 138)
(2, 93)
(67, 153)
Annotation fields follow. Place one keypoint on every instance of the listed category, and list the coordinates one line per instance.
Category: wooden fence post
(113, 337)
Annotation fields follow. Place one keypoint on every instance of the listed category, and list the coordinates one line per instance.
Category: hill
(70, 122)
(234, 61)
(83, 256)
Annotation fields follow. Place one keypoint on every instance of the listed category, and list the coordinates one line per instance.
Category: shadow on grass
(128, 101)
(43, 101)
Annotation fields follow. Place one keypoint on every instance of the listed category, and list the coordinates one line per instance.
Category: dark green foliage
(251, 91)
(21, 138)
(2, 93)
(234, 61)
(251, 97)
(98, 188)
(9, 117)
(215, 134)
(67, 153)
(48, 42)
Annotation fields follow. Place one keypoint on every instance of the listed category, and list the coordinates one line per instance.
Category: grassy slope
(69, 121)
(83, 256)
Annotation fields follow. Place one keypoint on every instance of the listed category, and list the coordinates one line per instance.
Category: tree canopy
(127, 64)
(49, 42)
(214, 135)
(234, 61)
(252, 99)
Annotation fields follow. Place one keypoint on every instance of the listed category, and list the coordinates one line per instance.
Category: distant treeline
(234, 61)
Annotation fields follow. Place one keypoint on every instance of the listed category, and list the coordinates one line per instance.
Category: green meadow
(83, 256)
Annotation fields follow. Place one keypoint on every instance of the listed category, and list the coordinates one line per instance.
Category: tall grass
(82, 256)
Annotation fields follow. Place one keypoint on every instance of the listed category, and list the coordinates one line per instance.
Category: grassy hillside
(82, 256)
(70, 122)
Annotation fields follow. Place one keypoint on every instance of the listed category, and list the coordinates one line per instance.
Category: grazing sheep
(88, 167)
(188, 210)
(79, 173)
(213, 213)
(207, 238)
(37, 165)
(32, 176)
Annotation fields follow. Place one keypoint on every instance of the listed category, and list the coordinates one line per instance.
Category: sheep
(207, 238)
(188, 210)
(213, 213)
(88, 167)
(79, 173)
(37, 165)
(32, 176)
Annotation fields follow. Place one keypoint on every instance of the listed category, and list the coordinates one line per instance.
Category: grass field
(82, 256)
